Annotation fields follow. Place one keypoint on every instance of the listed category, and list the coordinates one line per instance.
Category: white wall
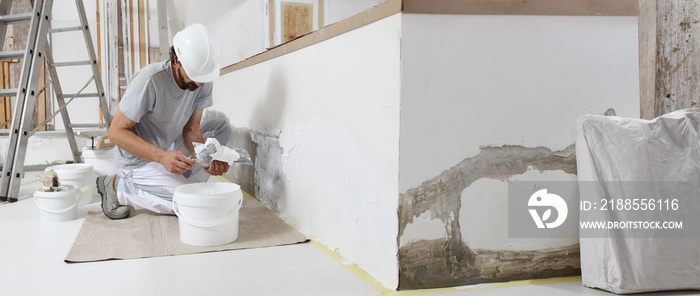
(338, 10)
(333, 107)
(471, 81)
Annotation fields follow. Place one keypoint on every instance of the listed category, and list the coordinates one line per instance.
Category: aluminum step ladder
(38, 48)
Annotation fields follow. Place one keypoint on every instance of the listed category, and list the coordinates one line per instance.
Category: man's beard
(187, 85)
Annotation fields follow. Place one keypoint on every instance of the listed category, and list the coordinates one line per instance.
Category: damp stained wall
(492, 99)
(324, 122)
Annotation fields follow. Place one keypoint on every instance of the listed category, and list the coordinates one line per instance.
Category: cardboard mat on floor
(146, 234)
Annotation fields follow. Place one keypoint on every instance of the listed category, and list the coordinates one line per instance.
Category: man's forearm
(192, 136)
(133, 144)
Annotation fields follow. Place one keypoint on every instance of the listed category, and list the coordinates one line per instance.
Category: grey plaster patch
(270, 180)
(243, 175)
(453, 262)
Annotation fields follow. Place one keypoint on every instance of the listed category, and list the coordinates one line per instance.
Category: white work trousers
(151, 186)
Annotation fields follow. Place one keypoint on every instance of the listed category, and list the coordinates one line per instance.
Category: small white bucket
(101, 159)
(80, 175)
(208, 213)
(58, 206)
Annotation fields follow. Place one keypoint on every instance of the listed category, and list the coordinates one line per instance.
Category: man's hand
(175, 162)
(217, 168)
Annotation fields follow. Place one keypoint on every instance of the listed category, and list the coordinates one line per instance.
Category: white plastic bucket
(80, 175)
(100, 159)
(208, 213)
(58, 206)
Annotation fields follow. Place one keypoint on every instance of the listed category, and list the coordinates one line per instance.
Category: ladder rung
(76, 63)
(11, 54)
(82, 125)
(8, 92)
(35, 168)
(16, 18)
(66, 29)
(89, 95)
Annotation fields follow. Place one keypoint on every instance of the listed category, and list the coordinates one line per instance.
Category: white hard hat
(198, 51)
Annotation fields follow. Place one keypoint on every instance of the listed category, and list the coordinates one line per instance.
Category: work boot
(110, 203)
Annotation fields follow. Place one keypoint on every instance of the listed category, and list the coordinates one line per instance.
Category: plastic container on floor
(80, 175)
(101, 159)
(208, 213)
(58, 206)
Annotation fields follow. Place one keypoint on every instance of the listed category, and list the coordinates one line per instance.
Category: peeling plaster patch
(487, 267)
(442, 196)
(270, 180)
(424, 227)
(484, 213)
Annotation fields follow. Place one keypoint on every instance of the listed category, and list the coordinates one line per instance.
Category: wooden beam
(143, 48)
(523, 7)
(647, 58)
(131, 35)
(677, 72)
(271, 16)
(6, 106)
(321, 13)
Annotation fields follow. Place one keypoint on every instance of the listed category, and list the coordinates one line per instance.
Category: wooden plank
(321, 13)
(4, 77)
(523, 7)
(143, 50)
(99, 48)
(296, 20)
(678, 56)
(647, 58)
(99, 43)
(8, 82)
(271, 16)
(131, 35)
(41, 99)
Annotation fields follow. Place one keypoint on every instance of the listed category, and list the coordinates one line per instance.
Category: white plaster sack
(213, 150)
(610, 148)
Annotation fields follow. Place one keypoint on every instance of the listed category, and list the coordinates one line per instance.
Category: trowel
(213, 150)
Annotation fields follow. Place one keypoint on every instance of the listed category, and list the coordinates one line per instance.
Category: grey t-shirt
(159, 107)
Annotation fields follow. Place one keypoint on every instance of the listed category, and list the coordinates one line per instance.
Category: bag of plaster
(612, 150)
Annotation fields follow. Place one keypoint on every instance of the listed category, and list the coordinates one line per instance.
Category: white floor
(32, 253)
